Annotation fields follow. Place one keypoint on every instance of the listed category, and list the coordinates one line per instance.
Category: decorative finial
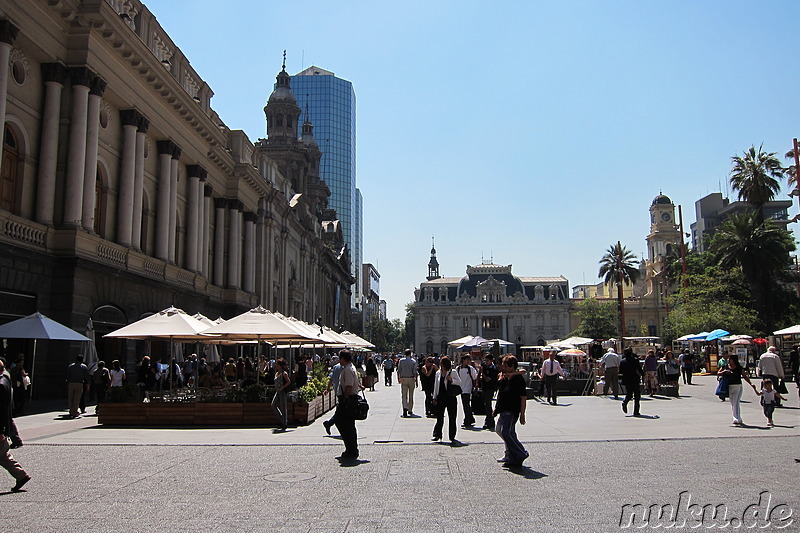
(284, 60)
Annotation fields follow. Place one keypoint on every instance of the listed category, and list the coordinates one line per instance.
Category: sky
(529, 133)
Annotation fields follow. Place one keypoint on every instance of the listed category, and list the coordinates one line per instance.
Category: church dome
(661, 199)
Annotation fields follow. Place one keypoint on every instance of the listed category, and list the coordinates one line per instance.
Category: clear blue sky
(534, 133)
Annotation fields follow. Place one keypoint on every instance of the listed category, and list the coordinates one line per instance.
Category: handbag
(356, 407)
(782, 387)
(453, 389)
(722, 387)
(476, 402)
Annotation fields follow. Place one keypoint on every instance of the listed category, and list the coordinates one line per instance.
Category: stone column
(8, 32)
(173, 203)
(138, 183)
(92, 134)
(193, 217)
(165, 149)
(234, 240)
(130, 123)
(76, 156)
(54, 75)
(204, 249)
(201, 223)
(220, 204)
(248, 283)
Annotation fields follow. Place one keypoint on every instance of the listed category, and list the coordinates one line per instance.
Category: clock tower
(664, 236)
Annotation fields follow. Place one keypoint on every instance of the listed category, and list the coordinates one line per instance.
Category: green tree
(756, 175)
(761, 251)
(598, 319)
(618, 266)
(714, 298)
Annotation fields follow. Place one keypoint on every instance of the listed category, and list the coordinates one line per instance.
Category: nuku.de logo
(686, 514)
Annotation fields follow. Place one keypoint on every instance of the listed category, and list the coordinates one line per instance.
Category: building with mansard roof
(490, 301)
(123, 192)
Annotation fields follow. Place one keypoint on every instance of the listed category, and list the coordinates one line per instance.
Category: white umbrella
(355, 340)
(171, 323)
(499, 341)
(261, 324)
(91, 347)
(578, 341)
(37, 326)
(459, 342)
(474, 342)
(788, 331)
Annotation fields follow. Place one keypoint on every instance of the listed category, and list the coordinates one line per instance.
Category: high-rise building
(330, 104)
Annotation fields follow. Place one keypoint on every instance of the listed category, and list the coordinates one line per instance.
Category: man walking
(551, 369)
(345, 417)
(407, 372)
(686, 360)
(488, 379)
(388, 368)
(7, 461)
(631, 371)
(336, 371)
(78, 378)
(770, 367)
(610, 362)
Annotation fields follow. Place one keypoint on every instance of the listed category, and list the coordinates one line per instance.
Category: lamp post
(620, 298)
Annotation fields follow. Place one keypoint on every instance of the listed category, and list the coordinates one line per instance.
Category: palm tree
(756, 176)
(791, 170)
(761, 250)
(619, 266)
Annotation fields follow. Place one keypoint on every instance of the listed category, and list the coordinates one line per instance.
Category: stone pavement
(587, 461)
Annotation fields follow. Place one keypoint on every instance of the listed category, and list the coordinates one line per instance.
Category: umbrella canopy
(261, 324)
(38, 326)
(571, 352)
(171, 323)
(474, 342)
(717, 334)
(698, 337)
(577, 341)
(460, 341)
(356, 341)
(741, 342)
(788, 331)
(501, 342)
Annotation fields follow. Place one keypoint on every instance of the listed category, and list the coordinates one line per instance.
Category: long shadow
(648, 417)
(749, 426)
(787, 407)
(349, 462)
(782, 426)
(525, 471)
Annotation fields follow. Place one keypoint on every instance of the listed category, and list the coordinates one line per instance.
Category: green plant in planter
(128, 393)
(307, 393)
(258, 393)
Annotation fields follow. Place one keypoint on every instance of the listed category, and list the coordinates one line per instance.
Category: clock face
(666, 217)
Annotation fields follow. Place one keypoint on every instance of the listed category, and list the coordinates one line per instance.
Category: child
(768, 395)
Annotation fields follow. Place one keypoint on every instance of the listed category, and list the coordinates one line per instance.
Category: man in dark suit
(631, 373)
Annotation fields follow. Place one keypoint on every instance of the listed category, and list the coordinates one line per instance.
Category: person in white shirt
(469, 377)
(770, 367)
(345, 422)
(117, 374)
(444, 398)
(550, 371)
(610, 362)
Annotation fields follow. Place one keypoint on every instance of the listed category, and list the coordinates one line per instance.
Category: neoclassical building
(123, 192)
(489, 301)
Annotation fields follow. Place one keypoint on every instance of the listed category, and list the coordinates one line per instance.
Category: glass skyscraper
(331, 105)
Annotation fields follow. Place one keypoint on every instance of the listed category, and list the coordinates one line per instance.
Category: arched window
(9, 174)
(429, 347)
(99, 205)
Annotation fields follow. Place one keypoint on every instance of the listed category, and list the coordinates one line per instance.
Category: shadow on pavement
(346, 462)
(525, 471)
(749, 426)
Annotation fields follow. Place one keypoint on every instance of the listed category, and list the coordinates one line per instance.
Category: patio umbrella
(37, 326)
(717, 334)
(460, 341)
(474, 342)
(788, 331)
(356, 341)
(262, 325)
(571, 352)
(501, 342)
(91, 348)
(699, 337)
(577, 341)
(741, 342)
(171, 323)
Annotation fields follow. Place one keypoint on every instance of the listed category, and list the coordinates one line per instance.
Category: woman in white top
(117, 374)
(446, 389)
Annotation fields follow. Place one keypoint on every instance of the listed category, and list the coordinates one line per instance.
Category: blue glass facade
(331, 104)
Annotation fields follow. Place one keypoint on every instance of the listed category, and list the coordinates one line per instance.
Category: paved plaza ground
(588, 460)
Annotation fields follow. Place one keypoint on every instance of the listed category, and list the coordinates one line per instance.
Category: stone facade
(123, 192)
(491, 302)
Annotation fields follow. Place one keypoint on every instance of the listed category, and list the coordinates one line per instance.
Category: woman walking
(512, 397)
(735, 374)
(446, 390)
(281, 384)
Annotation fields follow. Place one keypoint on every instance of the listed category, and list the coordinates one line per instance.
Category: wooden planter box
(210, 414)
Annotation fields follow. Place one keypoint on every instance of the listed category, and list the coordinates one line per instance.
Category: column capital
(98, 86)
(176, 151)
(8, 32)
(249, 216)
(220, 203)
(208, 190)
(143, 124)
(56, 72)
(130, 117)
(235, 203)
(166, 147)
(81, 76)
(196, 171)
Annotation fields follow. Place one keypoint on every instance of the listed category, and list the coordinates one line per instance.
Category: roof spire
(433, 264)
(283, 66)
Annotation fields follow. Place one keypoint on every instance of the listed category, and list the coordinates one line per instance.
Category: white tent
(788, 331)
